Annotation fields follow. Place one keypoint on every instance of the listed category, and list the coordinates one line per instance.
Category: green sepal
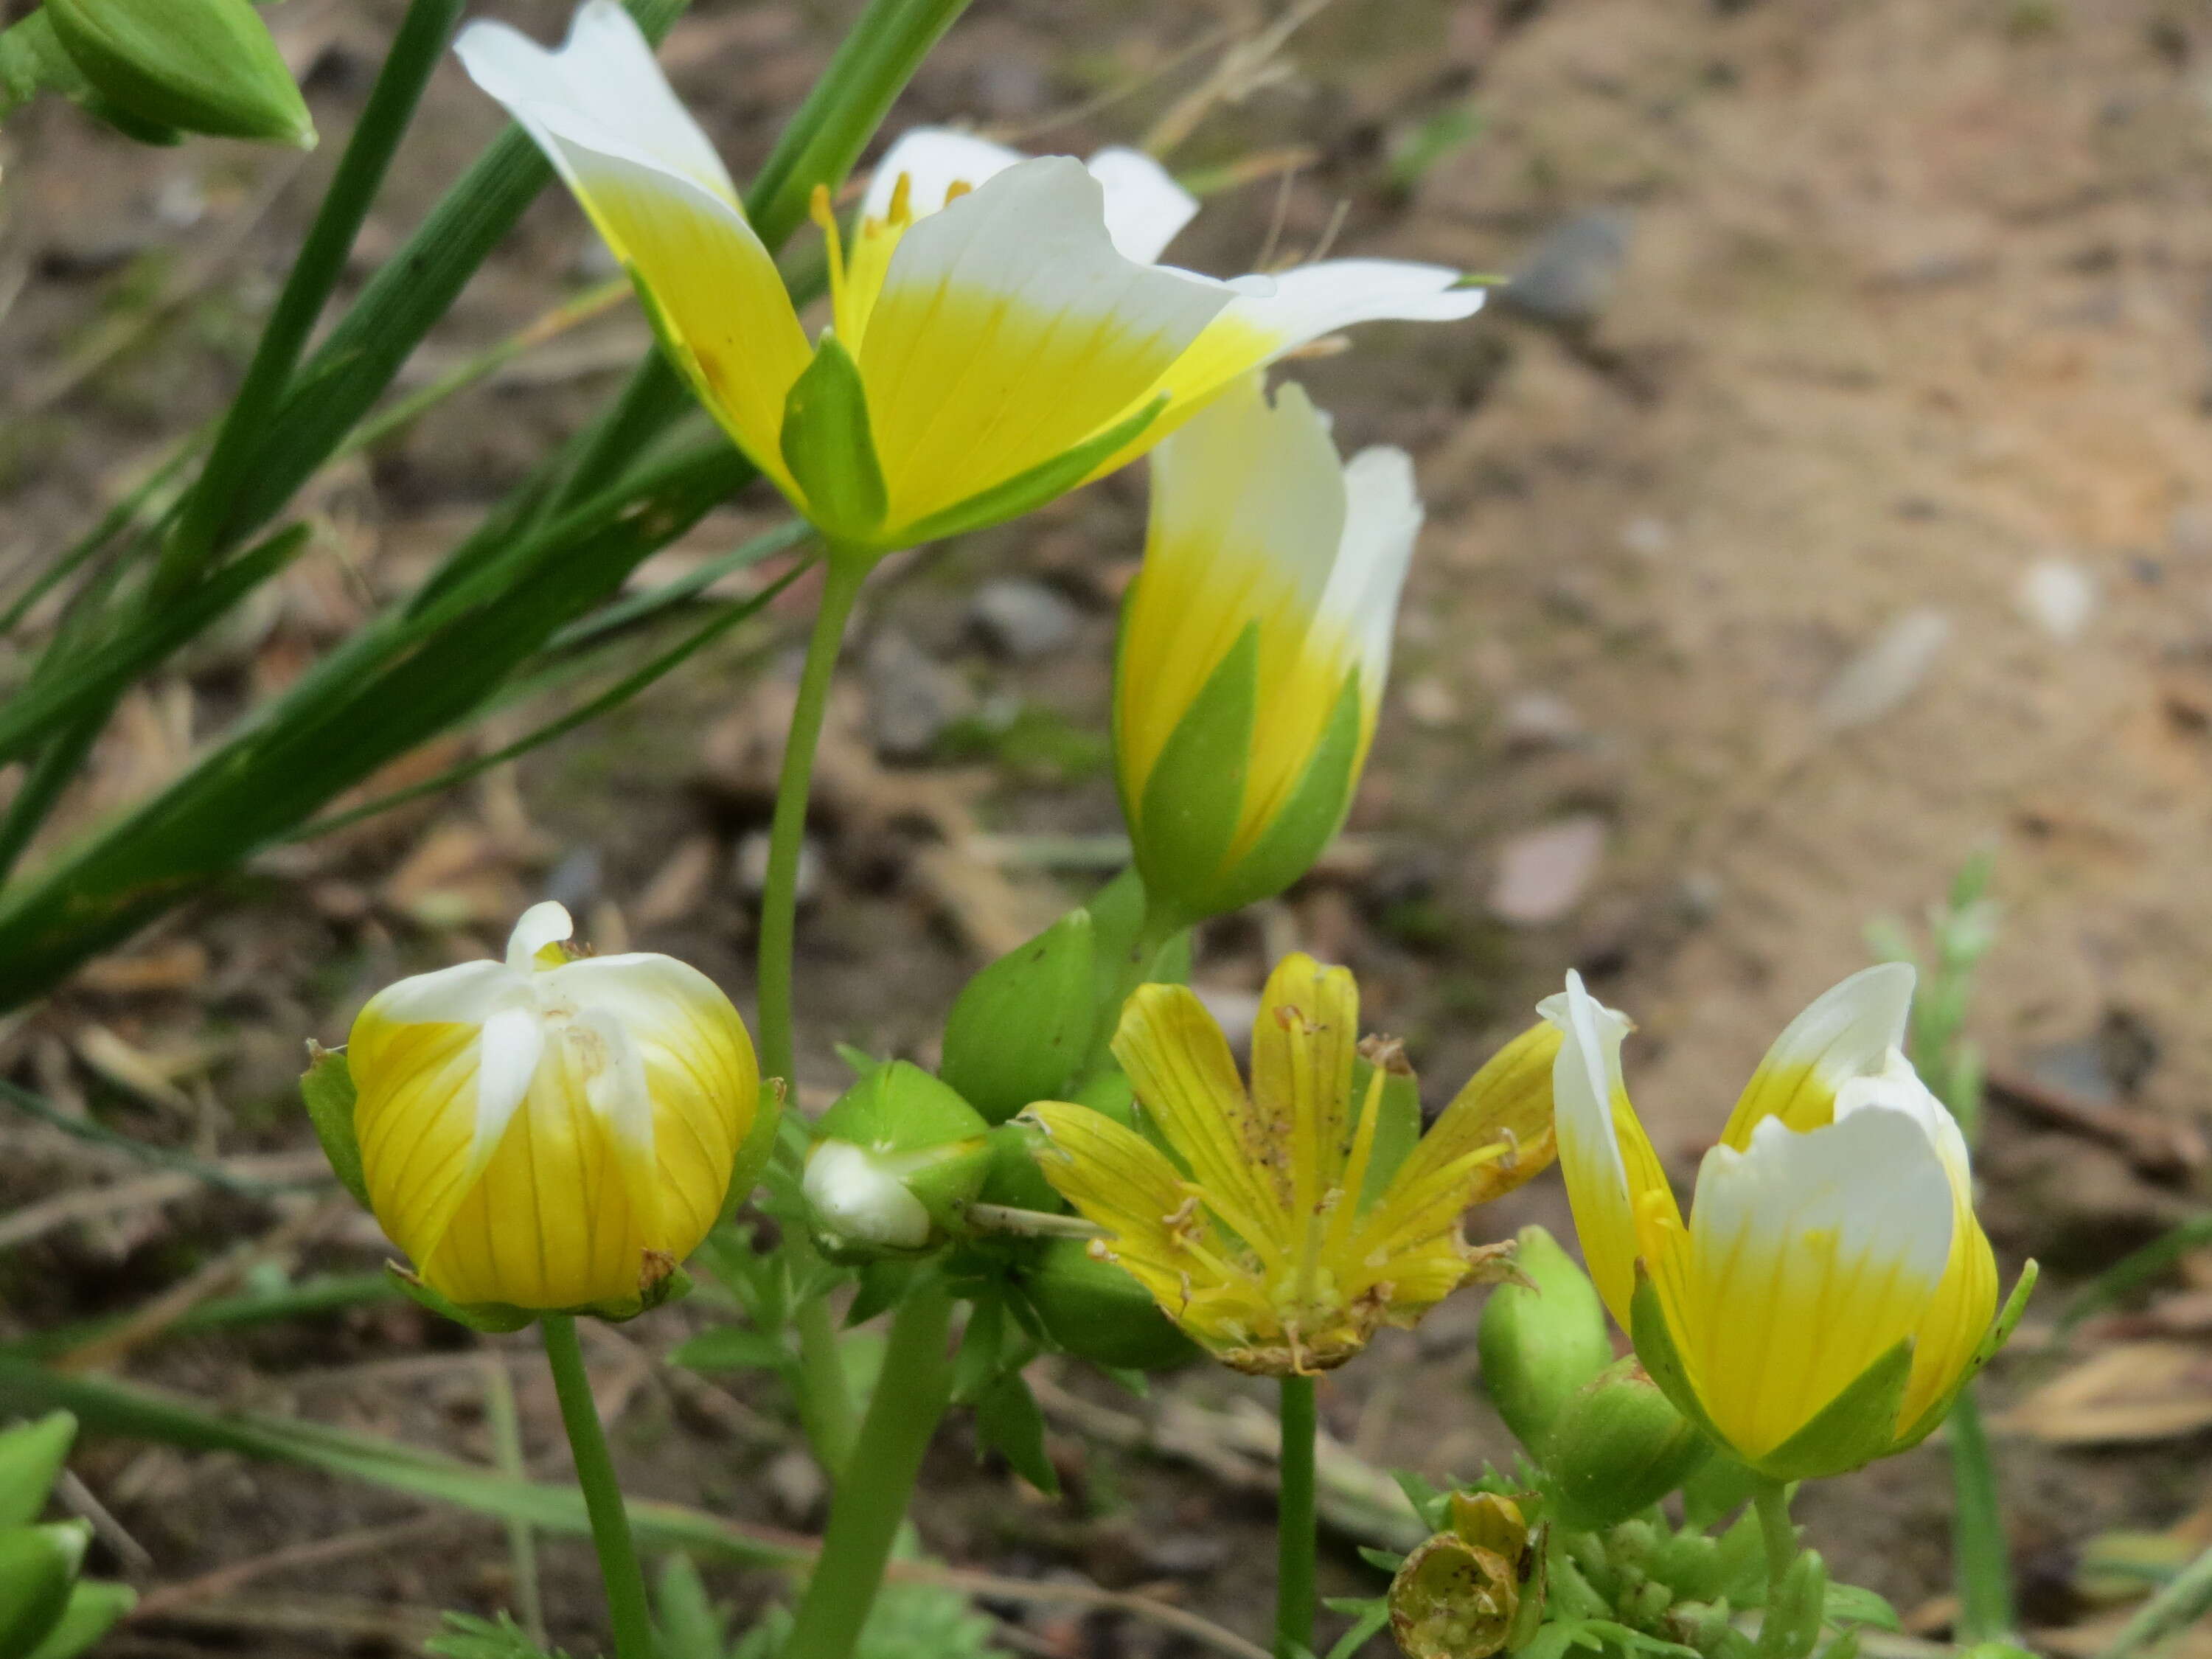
(900, 1108)
(34, 60)
(1858, 1425)
(758, 1146)
(491, 1318)
(1021, 1028)
(1014, 1179)
(1654, 1347)
(1187, 822)
(1397, 1125)
(829, 447)
(93, 1609)
(976, 1365)
(1095, 1311)
(327, 1087)
(201, 65)
(1303, 826)
(1616, 1448)
(31, 1456)
(1027, 491)
(1999, 1333)
(1542, 1339)
(1009, 1422)
(38, 1566)
(882, 1287)
(685, 1617)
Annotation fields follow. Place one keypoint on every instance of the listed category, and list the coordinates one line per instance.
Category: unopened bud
(197, 65)
(1019, 1028)
(1618, 1446)
(38, 1570)
(895, 1163)
(1541, 1340)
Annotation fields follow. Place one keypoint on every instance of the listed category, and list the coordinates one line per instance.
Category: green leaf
(1858, 1425)
(732, 1348)
(1304, 824)
(1020, 1030)
(93, 1609)
(327, 1087)
(828, 446)
(38, 1566)
(882, 1287)
(31, 1456)
(1008, 1421)
(1027, 491)
(691, 1625)
(1187, 822)
(106, 1407)
(467, 1637)
(1850, 1604)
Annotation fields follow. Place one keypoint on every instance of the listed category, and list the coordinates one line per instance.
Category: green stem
(416, 51)
(2185, 1596)
(1982, 1564)
(825, 1394)
(1770, 1499)
(879, 1476)
(603, 1498)
(1294, 1523)
(845, 573)
(50, 773)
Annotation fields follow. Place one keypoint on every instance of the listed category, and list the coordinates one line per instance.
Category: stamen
(956, 190)
(902, 209)
(819, 210)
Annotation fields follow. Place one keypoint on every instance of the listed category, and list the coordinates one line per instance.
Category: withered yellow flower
(1311, 1214)
(545, 1132)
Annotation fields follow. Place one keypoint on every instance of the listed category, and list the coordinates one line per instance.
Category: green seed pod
(1097, 1312)
(1018, 1029)
(895, 1164)
(1539, 1345)
(38, 1566)
(200, 65)
(1617, 1446)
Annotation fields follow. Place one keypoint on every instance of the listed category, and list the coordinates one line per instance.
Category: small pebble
(1571, 276)
(1543, 873)
(2058, 596)
(750, 866)
(912, 698)
(1022, 619)
(1887, 671)
(1539, 720)
(1430, 702)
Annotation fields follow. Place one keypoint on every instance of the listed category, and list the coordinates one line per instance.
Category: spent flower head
(1282, 1225)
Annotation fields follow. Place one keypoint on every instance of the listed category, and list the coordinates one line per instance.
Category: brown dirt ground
(1915, 300)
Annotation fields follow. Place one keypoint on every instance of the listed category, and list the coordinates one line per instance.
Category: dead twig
(92, 1203)
(2156, 1144)
(168, 1599)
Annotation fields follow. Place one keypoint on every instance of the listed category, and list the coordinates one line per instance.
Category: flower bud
(1095, 1311)
(197, 65)
(895, 1164)
(37, 1570)
(547, 1134)
(1617, 1446)
(1542, 1339)
(1020, 1030)
(1256, 646)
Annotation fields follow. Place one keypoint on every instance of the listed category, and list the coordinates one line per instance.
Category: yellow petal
(1809, 1256)
(1615, 1183)
(415, 1117)
(1008, 330)
(1849, 1032)
(1185, 1079)
(1304, 1044)
(1508, 1105)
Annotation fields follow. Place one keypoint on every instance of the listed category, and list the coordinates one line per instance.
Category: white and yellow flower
(1294, 1219)
(1831, 1290)
(1255, 646)
(1000, 332)
(545, 1133)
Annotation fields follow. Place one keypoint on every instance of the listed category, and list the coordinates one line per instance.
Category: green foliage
(188, 66)
(467, 1637)
(907, 1621)
(46, 1612)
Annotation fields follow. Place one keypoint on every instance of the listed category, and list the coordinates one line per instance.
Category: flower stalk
(1295, 1523)
(603, 1499)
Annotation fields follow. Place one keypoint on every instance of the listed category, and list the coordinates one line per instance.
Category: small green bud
(200, 65)
(31, 1456)
(1541, 1340)
(1617, 1446)
(1097, 1312)
(1020, 1030)
(895, 1164)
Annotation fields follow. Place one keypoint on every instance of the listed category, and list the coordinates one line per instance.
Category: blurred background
(1823, 500)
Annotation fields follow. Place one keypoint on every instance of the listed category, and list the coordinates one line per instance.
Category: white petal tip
(542, 924)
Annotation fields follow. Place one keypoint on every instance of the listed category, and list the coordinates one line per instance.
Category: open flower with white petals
(545, 1132)
(999, 332)
(1256, 646)
(1831, 1290)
